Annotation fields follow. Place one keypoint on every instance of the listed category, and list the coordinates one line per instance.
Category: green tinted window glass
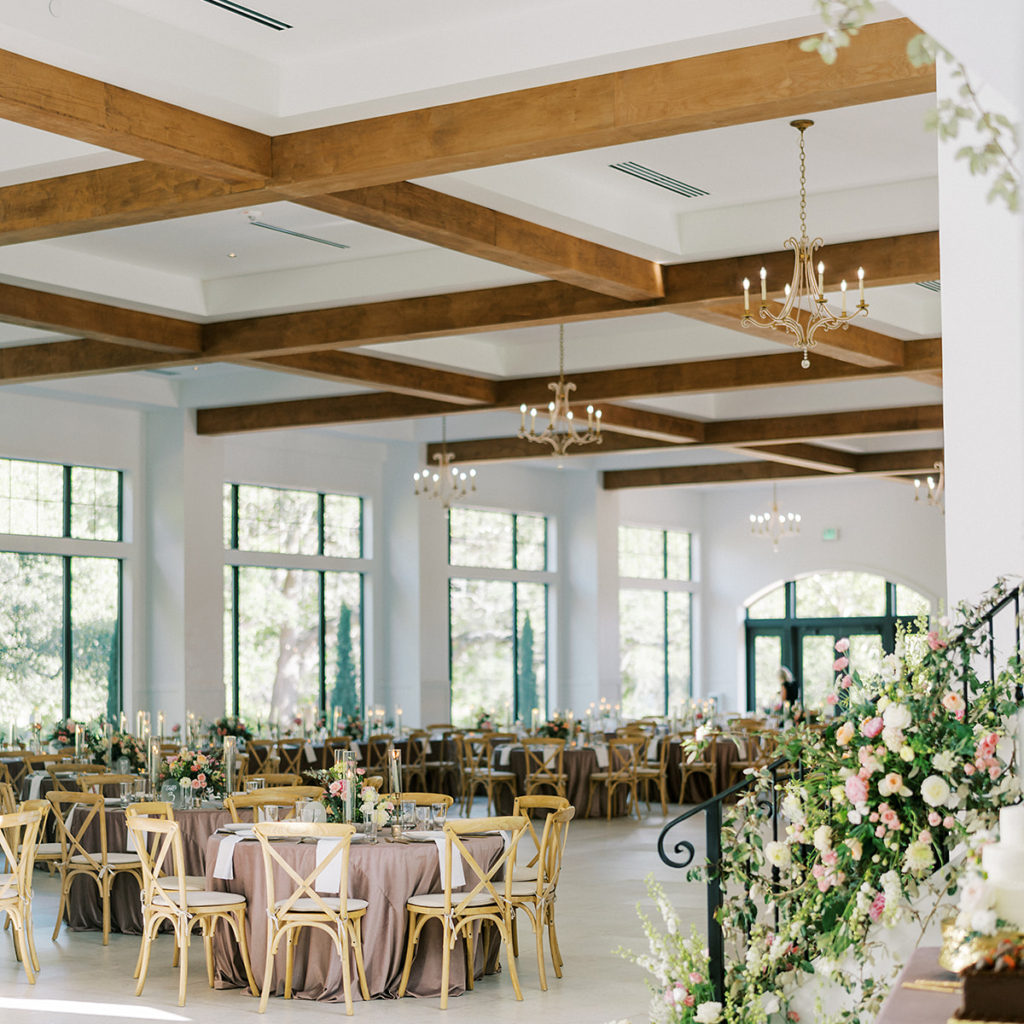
(95, 503)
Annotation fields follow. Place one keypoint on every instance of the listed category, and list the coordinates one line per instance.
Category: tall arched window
(797, 623)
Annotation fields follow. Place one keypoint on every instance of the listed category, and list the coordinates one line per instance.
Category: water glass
(268, 812)
(251, 785)
(438, 813)
(408, 808)
(423, 818)
(126, 792)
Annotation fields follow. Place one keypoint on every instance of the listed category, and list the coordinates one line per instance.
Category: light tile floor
(602, 882)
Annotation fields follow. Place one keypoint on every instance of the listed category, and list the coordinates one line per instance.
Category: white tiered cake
(1004, 864)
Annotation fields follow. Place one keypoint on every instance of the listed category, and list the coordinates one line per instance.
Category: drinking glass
(423, 818)
(408, 814)
(251, 785)
(126, 792)
(438, 813)
(268, 812)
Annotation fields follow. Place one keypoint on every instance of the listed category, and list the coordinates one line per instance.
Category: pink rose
(925, 836)
(879, 831)
(934, 642)
(934, 819)
(842, 645)
(840, 664)
(689, 1000)
(871, 727)
(856, 790)
(953, 702)
(877, 906)
(948, 821)
(844, 733)
(695, 978)
(968, 769)
(832, 699)
(846, 682)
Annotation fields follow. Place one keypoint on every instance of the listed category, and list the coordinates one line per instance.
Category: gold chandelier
(443, 483)
(774, 525)
(805, 312)
(561, 431)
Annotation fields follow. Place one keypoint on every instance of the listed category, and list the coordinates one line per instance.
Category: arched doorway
(797, 623)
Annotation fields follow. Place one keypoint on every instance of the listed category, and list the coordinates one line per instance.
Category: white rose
(708, 1013)
(778, 855)
(897, 716)
(822, 838)
(935, 791)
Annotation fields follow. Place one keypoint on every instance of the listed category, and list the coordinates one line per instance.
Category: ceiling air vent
(254, 219)
(247, 12)
(659, 179)
(932, 286)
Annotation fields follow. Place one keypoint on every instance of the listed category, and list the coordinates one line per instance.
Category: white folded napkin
(504, 755)
(741, 747)
(225, 866)
(354, 747)
(652, 750)
(328, 881)
(458, 871)
(35, 780)
(309, 752)
(602, 756)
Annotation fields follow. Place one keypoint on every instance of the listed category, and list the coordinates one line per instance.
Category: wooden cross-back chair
(18, 834)
(339, 916)
(527, 806)
(478, 771)
(624, 754)
(414, 764)
(275, 778)
(46, 852)
(655, 776)
(332, 744)
(483, 899)
(545, 765)
(167, 900)
(375, 751)
(258, 753)
(704, 763)
(537, 898)
(13, 761)
(102, 866)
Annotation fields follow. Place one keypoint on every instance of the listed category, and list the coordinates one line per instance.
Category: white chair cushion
(200, 899)
(524, 888)
(524, 874)
(113, 859)
(47, 849)
(307, 904)
(192, 882)
(435, 900)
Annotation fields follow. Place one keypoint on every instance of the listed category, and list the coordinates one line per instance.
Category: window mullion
(66, 635)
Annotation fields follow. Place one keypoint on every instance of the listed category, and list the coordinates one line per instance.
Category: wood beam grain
(115, 197)
(881, 464)
(755, 83)
(314, 412)
(623, 419)
(387, 374)
(81, 357)
(687, 285)
(47, 311)
(452, 223)
(54, 100)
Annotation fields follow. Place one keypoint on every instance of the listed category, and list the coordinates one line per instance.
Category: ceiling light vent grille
(657, 178)
(257, 223)
(932, 286)
(247, 12)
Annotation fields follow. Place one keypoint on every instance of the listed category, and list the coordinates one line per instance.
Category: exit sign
(830, 533)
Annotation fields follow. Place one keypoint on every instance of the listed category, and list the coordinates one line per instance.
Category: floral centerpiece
(560, 728)
(353, 727)
(342, 791)
(873, 802)
(122, 744)
(63, 734)
(484, 720)
(229, 725)
(201, 774)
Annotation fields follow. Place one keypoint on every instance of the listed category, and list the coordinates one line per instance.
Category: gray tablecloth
(913, 1006)
(385, 875)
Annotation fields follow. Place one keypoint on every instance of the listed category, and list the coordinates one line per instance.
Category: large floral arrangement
(559, 728)
(63, 734)
(365, 800)
(201, 774)
(483, 720)
(229, 725)
(682, 990)
(914, 762)
(353, 727)
(122, 744)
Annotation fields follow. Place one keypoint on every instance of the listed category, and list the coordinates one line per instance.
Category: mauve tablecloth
(85, 912)
(384, 874)
(915, 1006)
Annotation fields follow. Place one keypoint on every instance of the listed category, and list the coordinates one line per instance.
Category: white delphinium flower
(891, 668)
(944, 761)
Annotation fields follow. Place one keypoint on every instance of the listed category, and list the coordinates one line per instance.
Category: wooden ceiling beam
(623, 419)
(116, 197)
(81, 357)
(726, 433)
(881, 464)
(54, 100)
(316, 412)
(687, 286)
(716, 90)
(49, 312)
(443, 220)
(387, 374)
(810, 456)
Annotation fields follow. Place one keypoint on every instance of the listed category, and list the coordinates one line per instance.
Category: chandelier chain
(803, 189)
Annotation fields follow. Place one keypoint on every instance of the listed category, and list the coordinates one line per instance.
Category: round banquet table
(85, 911)
(385, 874)
(578, 763)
